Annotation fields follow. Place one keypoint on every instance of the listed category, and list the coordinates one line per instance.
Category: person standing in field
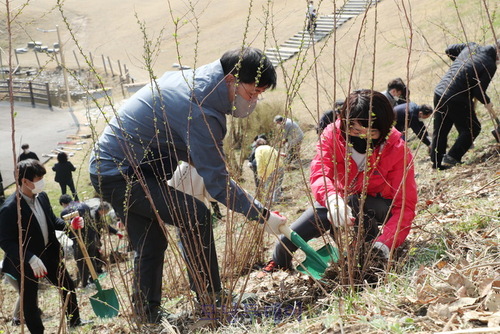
(64, 174)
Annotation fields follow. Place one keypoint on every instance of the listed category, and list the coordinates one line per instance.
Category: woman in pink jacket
(362, 174)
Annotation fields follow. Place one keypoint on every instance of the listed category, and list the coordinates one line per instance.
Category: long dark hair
(367, 105)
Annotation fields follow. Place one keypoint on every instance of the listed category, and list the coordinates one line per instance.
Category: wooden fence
(34, 92)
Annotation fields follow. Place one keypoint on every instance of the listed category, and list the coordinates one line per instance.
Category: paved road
(40, 127)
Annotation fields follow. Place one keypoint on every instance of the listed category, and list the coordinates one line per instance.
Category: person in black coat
(27, 154)
(91, 233)
(64, 177)
(41, 251)
(467, 79)
(416, 113)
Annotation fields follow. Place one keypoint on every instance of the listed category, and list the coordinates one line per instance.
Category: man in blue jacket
(181, 116)
(467, 79)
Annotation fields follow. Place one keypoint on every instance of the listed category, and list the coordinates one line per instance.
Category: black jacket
(63, 171)
(33, 243)
(414, 122)
(470, 74)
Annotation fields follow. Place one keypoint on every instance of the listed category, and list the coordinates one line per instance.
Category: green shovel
(316, 262)
(104, 302)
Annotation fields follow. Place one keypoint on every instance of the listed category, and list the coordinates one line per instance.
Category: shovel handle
(79, 239)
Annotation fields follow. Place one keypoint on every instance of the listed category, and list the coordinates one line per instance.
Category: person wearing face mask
(362, 178)
(181, 116)
(41, 254)
(27, 154)
(467, 80)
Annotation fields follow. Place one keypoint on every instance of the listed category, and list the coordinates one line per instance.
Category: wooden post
(37, 60)
(47, 90)
(104, 63)
(32, 97)
(76, 58)
(111, 67)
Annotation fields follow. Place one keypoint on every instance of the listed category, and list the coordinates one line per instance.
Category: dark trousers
(314, 222)
(448, 114)
(68, 183)
(95, 258)
(58, 276)
(148, 236)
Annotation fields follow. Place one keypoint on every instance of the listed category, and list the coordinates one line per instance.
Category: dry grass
(448, 276)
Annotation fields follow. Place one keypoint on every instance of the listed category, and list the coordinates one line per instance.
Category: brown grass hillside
(447, 278)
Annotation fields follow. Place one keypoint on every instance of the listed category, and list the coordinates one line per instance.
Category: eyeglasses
(256, 94)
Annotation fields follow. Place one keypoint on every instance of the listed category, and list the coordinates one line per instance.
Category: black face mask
(359, 144)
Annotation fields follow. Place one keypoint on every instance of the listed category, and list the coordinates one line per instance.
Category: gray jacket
(182, 116)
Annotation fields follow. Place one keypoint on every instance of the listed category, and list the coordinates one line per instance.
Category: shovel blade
(105, 302)
(316, 269)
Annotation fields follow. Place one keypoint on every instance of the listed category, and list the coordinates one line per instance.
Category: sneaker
(269, 268)
(16, 322)
(450, 161)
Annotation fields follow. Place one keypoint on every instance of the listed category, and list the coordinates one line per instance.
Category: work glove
(77, 223)
(38, 267)
(337, 214)
(273, 223)
(382, 248)
(119, 235)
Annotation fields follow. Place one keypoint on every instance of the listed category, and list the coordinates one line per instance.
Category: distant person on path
(42, 251)
(64, 174)
(467, 79)
(292, 137)
(27, 154)
(181, 117)
(396, 91)
(358, 163)
(416, 113)
(269, 171)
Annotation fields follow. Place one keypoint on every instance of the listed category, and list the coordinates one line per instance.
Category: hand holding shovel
(104, 302)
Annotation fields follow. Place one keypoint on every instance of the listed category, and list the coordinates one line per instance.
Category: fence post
(32, 97)
(76, 58)
(48, 95)
(111, 67)
(104, 63)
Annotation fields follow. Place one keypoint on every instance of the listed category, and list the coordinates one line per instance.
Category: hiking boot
(450, 161)
(270, 268)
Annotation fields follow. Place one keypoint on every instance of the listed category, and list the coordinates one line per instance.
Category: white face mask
(243, 108)
(39, 185)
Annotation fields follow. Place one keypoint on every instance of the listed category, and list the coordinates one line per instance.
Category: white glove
(273, 223)
(37, 266)
(383, 248)
(337, 214)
